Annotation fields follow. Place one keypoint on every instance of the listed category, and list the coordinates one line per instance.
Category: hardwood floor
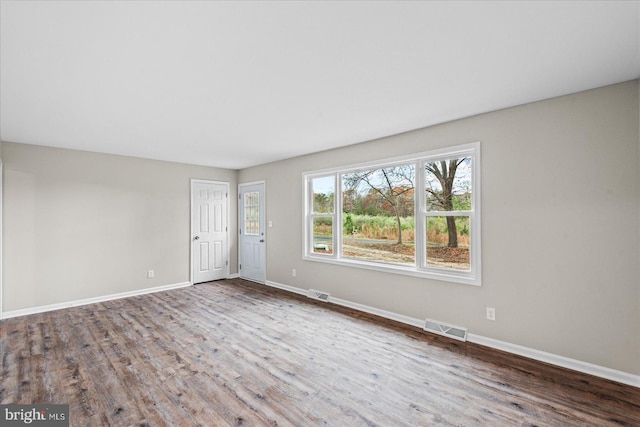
(237, 353)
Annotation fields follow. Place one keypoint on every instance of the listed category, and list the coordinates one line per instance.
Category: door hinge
(239, 266)
(239, 197)
(226, 263)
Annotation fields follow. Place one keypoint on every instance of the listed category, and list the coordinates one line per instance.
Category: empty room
(305, 213)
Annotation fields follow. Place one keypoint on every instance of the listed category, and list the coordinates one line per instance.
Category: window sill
(466, 279)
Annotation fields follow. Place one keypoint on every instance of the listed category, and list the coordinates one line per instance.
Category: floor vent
(450, 331)
(319, 295)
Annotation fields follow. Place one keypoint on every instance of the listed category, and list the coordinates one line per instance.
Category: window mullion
(420, 217)
(448, 213)
(308, 217)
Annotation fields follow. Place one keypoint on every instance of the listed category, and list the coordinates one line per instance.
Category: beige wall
(79, 225)
(561, 202)
(561, 226)
(1, 239)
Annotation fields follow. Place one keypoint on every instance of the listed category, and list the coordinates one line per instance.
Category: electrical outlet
(150, 274)
(293, 272)
(491, 313)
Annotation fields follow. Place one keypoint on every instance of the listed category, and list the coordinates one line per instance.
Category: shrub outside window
(416, 215)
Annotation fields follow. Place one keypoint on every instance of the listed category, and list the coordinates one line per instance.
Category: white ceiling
(236, 84)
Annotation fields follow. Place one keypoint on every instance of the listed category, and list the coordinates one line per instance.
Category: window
(322, 214)
(448, 191)
(377, 214)
(252, 213)
(417, 215)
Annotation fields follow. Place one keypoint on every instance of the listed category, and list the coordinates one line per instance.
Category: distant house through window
(417, 215)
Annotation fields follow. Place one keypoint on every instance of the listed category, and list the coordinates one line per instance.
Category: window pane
(252, 213)
(378, 215)
(448, 242)
(324, 190)
(323, 235)
(448, 184)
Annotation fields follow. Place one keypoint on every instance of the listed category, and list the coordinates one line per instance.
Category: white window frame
(311, 215)
(420, 269)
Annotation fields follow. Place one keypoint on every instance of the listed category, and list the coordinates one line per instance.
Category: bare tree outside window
(373, 199)
(448, 189)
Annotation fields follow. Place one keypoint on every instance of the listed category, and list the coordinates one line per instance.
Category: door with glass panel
(251, 229)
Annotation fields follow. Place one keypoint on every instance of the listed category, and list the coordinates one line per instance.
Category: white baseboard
(286, 287)
(233, 276)
(76, 303)
(553, 359)
(378, 312)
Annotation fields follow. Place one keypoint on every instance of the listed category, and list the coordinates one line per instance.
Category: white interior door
(252, 232)
(209, 231)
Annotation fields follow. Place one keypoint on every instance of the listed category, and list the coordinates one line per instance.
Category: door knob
(196, 238)
(261, 240)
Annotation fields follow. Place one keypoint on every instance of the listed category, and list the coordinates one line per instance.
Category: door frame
(1, 244)
(191, 231)
(240, 221)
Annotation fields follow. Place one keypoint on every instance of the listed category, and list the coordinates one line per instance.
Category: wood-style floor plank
(233, 353)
